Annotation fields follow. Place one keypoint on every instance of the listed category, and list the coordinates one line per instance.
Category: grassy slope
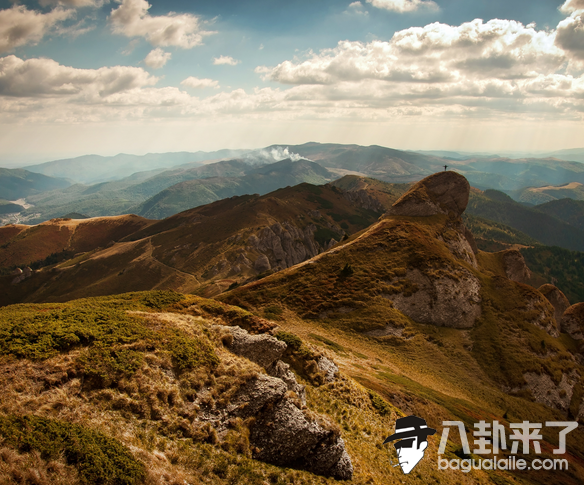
(440, 373)
(24, 245)
(116, 368)
(178, 252)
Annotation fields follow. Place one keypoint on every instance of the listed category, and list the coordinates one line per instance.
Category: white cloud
(571, 6)
(74, 3)
(157, 58)
(230, 61)
(36, 78)
(131, 19)
(196, 83)
(403, 6)
(356, 8)
(20, 26)
(436, 53)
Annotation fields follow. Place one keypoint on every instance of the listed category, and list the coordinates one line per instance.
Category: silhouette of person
(413, 434)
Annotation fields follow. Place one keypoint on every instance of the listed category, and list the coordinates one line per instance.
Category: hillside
(567, 210)
(546, 229)
(541, 195)
(205, 249)
(17, 183)
(406, 316)
(412, 310)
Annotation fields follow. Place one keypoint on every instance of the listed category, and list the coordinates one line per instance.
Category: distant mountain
(546, 229)
(16, 183)
(261, 180)
(547, 193)
(567, 210)
(575, 154)
(7, 207)
(120, 196)
(95, 168)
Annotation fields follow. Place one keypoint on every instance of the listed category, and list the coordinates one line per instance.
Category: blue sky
(137, 76)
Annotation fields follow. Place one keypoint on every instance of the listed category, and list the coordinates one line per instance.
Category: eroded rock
(450, 300)
(441, 193)
(515, 267)
(557, 299)
(262, 349)
(573, 321)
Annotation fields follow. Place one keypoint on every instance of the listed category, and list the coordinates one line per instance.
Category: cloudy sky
(138, 76)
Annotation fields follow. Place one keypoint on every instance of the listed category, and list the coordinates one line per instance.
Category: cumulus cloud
(230, 61)
(356, 8)
(132, 19)
(75, 3)
(570, 35)
(436, 53)
(193, 82)
(157, 58)
(48, 78)
(403, 6)
(20, 26)
(571, 6)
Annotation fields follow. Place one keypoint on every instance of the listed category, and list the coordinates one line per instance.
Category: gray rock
(441, 193)
(446, 301)
(329, 368)
(557, 299)
(256, 394)
(573, 321)
(515, 266)
(262, 349)
(282, 371)
(284, 436)
(262, 264)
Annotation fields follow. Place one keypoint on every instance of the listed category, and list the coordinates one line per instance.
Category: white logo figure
(412, 433)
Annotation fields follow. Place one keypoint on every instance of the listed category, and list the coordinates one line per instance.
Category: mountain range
(336, 310)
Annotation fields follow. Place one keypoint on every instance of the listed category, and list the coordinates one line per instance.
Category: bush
(98, 458)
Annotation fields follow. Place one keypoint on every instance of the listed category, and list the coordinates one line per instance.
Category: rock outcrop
(573, 321)
(557, 299)
(441, 193)
(283, 245)
(452, 300)
(515, 267)
(282, 433)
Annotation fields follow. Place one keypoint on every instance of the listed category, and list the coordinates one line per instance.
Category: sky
(139, 76)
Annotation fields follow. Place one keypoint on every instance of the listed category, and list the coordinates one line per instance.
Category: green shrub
(105, 365)
(161, 299)
(98, 458)
(189, 353)
(292, 341)
(379, 404)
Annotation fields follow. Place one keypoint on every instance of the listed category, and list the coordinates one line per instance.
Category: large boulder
(573, 321)
(441, 193)
(515, 267)
(557, 299)
(262, 349)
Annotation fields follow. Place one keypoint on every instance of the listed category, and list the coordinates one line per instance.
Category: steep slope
(17, 183)
(411, 310)
(204, 249)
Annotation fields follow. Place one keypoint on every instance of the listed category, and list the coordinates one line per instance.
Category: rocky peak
(557, 299)
(441, 193)
(573, 321)
(515, 267)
